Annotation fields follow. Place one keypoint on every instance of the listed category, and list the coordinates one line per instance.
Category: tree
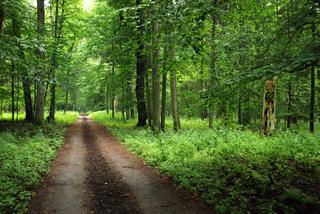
(40, 102)
(141, 68)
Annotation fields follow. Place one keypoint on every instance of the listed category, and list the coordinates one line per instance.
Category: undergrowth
(26, 154)
(235, 171)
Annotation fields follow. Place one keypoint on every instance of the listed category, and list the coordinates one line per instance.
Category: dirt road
(95, 174)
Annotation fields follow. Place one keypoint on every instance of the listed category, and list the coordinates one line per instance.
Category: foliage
(236, 171)
(25, 156)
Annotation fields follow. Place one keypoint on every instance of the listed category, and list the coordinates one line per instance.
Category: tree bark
(113, 98)
(156, 79)
(174, 100)
(40, 102)
(164, 91)
(141, 69)
(12, 92)
(268, 121)
(312, 99)
(313, 91)
(213, 62)
(148, 97)
(289, 117)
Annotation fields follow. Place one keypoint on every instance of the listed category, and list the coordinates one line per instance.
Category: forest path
(95, 174)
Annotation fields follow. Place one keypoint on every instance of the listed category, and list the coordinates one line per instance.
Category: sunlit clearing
(88, 4)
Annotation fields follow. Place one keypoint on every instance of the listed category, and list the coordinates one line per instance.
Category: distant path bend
(95, 174)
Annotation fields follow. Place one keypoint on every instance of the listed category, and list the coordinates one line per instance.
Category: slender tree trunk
(313, 91)
(240, 114)
(40, 102)
(18, 97)
(141, 69)
(164, 91)
(174, 100)
(156, 79)
(213, 62)
(268, 122)
(289, 117)
(148, 97)
(312, 99)
(113, 98)
(129, 95)
(12, 93)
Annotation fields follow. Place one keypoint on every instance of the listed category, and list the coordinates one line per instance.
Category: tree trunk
(148, 97)
(164, 91)
(156, 80)
(40, 102)
(313, 92)
(289, 117)
(213, 63)
(12, 93)
(312, 99)
(17, 103)
(174, 100)
(141, 69)
(113, 98)
(268, 121)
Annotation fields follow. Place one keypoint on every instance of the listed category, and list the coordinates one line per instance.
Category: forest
(159, 106)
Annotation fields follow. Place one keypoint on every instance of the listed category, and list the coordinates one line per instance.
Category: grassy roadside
(25, 156)
(236, 171)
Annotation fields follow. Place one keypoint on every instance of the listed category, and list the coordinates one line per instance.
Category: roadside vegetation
(236, 171)
(26, 154)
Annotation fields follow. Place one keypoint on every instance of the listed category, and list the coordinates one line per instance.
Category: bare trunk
(113, 98)
(156, 80)
(164, 93)
(40, 102)
(289, 117)
(312, 99)
(12, 92)
(213, 64)
(141, 69)
(148, 97)
(268, 122)
(174, 100)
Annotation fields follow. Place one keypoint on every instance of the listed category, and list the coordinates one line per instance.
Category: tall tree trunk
(164, 90)
(17, 102)
(213, 62)
(12, 92)
(289, 117)
(156, 79)
(312, 99)
(141, 69)
(313, 85)
(113, 96)
(129, 95)
(268, 121)
(57, 34)
(148, 97)
(174, 100)
(39, 114)
(25, 76)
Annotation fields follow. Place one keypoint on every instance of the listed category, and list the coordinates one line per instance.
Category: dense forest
(194, 87)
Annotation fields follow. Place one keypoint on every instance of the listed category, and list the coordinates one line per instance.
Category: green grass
(235, 171)
(25, 156)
